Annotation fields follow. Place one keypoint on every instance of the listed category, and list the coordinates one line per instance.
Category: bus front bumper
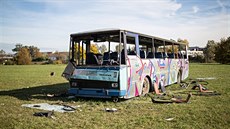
(97, 93)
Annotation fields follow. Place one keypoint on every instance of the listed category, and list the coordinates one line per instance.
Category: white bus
(118, 63)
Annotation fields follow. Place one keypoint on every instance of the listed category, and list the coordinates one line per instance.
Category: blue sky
(47, 24)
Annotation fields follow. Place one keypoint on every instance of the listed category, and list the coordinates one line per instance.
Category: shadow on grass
(37, 92)
(41, 92)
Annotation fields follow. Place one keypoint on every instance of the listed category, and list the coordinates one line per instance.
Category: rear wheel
(146, 86)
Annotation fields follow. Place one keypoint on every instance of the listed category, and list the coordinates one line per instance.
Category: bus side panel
(160, 74)
(172, 71)
(137, 70)
(134, 76)
(148, 70)
(165, 71)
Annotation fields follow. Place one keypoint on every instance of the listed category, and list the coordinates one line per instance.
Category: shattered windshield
(97, 49)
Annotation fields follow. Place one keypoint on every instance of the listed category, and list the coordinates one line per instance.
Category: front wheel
(146, 86)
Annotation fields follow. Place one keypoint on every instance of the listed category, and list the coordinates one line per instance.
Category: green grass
(30, 84)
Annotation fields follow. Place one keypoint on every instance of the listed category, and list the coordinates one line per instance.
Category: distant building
(195, 51)
(6, 57)
(56, 55)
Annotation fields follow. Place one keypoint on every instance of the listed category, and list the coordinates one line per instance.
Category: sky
(47, 24)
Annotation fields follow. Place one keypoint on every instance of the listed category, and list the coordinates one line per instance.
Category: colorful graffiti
(163, 72)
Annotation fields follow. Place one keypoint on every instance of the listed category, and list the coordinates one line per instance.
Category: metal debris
(46, 114)
(49, 107)
(110, 109)
(206, 78)
(169, 119)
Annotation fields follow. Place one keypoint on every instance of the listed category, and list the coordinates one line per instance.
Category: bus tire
(179, 77)
(146, 86)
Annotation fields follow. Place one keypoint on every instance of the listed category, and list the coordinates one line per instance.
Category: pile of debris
(199, 87)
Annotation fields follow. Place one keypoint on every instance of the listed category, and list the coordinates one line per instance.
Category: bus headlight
(114, 85)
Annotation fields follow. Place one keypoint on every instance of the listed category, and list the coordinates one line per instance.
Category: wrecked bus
(118, 63)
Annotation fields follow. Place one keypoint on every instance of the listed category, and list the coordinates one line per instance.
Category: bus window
(145, 45)
(180, 51)
(176, 51)
(159, 48)
(131, 46)
(169, 49)
(183, 51)
(79, 52)
(97, 49)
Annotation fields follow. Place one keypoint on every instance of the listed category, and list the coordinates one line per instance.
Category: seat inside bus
(106, 58)
(170, 55)
(165, 55)
(158, 55)
(150, 55)
(142, 54)
(110, 57)
(91, 59)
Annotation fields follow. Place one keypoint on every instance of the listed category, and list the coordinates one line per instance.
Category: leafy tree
(17, 47)
(117, 48)
(94, 48)
(222, 53)
(34, 52)
(23, 57)
(185, 41)
(102, 48)
(181, 47)
(2, 52)
(79, 53)
(209, 51)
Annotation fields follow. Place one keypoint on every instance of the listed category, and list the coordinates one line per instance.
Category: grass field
(30, 84)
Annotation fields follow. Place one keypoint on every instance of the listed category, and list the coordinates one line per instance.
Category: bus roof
(113, 30)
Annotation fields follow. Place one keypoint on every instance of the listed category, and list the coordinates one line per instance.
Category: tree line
(217, 51)
(213, 52)
(26, 54)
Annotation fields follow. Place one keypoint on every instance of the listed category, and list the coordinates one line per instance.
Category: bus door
(135, 66)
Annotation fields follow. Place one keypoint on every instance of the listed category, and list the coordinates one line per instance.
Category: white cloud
(220, 4)
(195, 9)
(74, 16)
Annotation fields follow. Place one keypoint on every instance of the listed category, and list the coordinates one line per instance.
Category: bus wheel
(179, 77)
(146, 86)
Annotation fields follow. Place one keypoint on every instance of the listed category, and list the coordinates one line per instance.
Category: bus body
(124, 64)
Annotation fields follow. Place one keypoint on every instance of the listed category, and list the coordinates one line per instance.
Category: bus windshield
(96, 49)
